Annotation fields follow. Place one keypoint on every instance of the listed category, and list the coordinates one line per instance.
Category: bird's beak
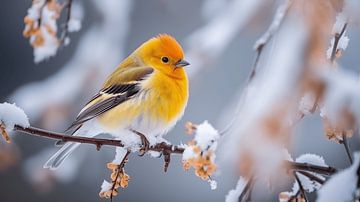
(181, 63)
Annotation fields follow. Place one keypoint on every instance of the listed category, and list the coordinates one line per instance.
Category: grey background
(210, 94)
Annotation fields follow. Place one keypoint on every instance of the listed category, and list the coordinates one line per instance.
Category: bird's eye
(165, 59)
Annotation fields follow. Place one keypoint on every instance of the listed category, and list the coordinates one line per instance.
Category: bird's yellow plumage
(147, 93)
(167, 87)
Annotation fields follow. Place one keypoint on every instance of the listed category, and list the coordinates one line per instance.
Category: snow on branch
(41, 27)
(199, 153)
(259, 45)
(344, 185)
(11, 116)
(307, 181)
(89, 65)
(234, 194)
(207, 43)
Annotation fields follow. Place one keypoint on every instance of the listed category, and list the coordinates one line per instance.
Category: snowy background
(109, 33)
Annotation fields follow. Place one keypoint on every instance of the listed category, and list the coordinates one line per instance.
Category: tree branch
(311, 168)
(312, 177)
(245, 195)
(98, 142)
(301, 188)
(347, 147)
(65, 31)
(163, 147)
(337, 38)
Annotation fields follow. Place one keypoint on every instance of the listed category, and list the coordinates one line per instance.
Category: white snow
(342, 45)
(306, 103)
(105, 186)
(208, 42)
(271, 90)
(34, 10)
(234, 194)
(308, 184)
(48, 28)
(342, 92)
(213, 184)
(206, 136)
(188, 153)
(48, 24)
(341, 20)
(120, 154)
(11, 115)
(91, 59)
(342, 187)
(74, 25)
(48, 49)
(312, 159)
(275, 24)
(77, 13)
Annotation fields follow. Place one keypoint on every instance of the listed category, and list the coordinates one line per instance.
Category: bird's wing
(119, 87)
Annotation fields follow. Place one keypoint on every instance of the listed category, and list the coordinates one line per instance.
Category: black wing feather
(120, 92)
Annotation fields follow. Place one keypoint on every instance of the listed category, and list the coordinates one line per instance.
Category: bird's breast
(155, 109)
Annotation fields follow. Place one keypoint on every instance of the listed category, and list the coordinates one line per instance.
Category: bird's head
(164, 54)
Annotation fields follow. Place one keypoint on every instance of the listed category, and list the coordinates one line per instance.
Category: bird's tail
(64, 152)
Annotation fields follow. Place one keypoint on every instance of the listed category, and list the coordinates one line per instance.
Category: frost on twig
(207, 43)
(305, 180)
(343, 186)
(274, 26)
(41, 27)
(340, 41)
(119, 179)
(234, 194)
(341, 103)
(200, 152)
(11, 115)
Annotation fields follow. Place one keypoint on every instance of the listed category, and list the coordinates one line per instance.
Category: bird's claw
(145, 144)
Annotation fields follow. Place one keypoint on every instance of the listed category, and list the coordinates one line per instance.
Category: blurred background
(218, 38)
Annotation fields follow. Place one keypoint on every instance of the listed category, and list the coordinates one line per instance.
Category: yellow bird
(144, 97)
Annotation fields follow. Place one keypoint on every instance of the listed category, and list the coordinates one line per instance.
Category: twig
(163, 147)
(301, 188)
(337, 38)
(120, 169)
(41, 11)
(259, 45)
(358, 175)
(311, 168)
(255, 64)
(347, 147)
(312, 177)
(65, 31)
(98, 142)
(245, 195)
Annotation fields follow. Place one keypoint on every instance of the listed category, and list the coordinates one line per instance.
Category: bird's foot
(145, 144)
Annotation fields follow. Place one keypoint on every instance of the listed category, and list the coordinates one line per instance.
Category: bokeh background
(217, 78)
